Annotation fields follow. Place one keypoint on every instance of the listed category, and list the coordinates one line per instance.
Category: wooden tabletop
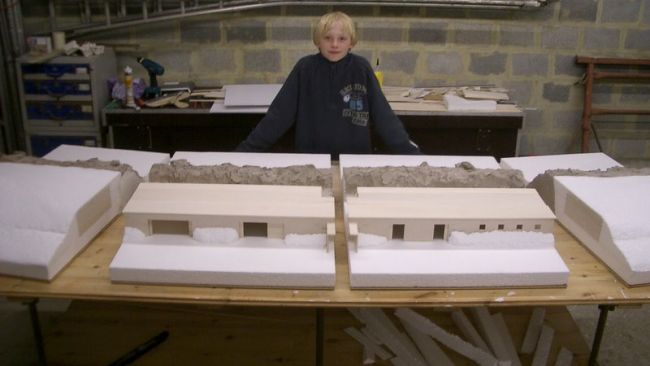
(86, 277)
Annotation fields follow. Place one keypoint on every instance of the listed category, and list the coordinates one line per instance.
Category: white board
(250, 95)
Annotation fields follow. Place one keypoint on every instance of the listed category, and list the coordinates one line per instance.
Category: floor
(625, 342)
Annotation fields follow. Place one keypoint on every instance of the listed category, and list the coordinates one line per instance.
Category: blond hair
(326, 22)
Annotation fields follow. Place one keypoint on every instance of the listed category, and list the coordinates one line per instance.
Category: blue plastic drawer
(56, 88)
(58, 111)
(43, 144)
(55, 70)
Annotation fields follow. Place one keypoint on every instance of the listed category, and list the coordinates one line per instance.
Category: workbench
(87, 278)
(436, 130)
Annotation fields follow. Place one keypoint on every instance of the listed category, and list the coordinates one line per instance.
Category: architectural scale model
(53, 207)
(229, 234)
(604, 205)
(401, 237)
(50, 213)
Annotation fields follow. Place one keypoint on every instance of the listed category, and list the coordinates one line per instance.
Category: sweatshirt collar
(342, 61)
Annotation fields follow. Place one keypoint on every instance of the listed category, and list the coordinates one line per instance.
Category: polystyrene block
(49, 214)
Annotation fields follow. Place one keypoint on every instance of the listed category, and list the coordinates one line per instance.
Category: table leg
(319, 337)
(36, 329)
(600, 329)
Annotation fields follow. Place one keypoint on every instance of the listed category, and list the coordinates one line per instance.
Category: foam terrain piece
(140, 161)
(375, 160)
(267, 160)
(49, 213)
(451, 237)
(275, 236)
(609, 215)
(532, 166)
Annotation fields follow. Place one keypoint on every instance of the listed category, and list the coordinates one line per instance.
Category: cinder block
(638, 39)
(601, 39)
(566, 65)
(448, 63)
(560, 37)
(384, 31)
(613, 12)
(429, 32)
(473, 34)
(602, 93)
(628, 148)
(579, 10)
(216, 60)
(291, 29)
(534, 117)
(530, 64)
(158, 33)
(203, 31)
(494, 63)
(262, 60)
(519, 91)
(635, 94)
(567, 119)
(248, 30)
(403, 61)
(520, 36)
(556, 92)
(555, 143)
(173, 61)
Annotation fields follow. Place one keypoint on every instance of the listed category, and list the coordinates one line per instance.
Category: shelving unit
(61, 100)
(592, 74)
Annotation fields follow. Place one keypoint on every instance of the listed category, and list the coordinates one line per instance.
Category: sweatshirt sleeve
(280, 116)
(388, 126)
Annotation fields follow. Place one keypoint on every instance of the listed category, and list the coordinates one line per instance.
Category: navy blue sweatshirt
(333, 105)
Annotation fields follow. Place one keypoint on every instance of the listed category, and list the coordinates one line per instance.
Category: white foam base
(532, 166)
(247, 262)
(140, 161)
(49, 214)
(455, 268)
(623, 205)
(267, 160)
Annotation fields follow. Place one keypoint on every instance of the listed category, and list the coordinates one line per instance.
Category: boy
(333, 98)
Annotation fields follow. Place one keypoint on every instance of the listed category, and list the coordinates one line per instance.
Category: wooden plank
(92, 333)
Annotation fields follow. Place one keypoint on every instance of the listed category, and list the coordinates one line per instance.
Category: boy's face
(335, 43)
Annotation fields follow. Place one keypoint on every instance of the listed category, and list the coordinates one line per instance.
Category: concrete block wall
(530, 52)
